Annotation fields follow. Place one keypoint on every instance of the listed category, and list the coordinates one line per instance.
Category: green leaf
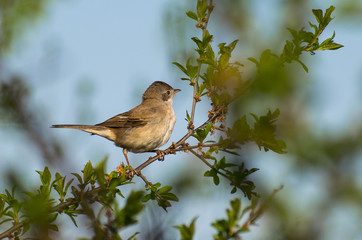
(164, 189)
(191, 70)
(87, 172)
(240, 131)
(45, 176)
(233, 44)
(156, 185)
(187, 232)
(58, 184)
(201, 8)
(213, 173)
(80, 180)
(188, 118)
(127, 215)
(327, 16)
(2, 207)
(318, 13)
(328, 40)
(99, 173)
(201, 134)
(206, 39)
(146, 198)
(314, 27)
(68, 184)
(170, 196)
(264, 130)
(192, 15)
(216, 179)
(70, 215)
(198, 42)
(254, 60)
(330, 46)
(182, 68)
(53, 227)
(303, 65)
(210, 56)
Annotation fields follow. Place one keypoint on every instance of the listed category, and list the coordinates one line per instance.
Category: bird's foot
(129, 172)
(161, 155)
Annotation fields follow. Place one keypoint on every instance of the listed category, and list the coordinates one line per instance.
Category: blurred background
(83, 61)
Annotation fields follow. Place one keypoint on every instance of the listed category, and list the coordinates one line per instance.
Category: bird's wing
(137, 117)
(120, 121)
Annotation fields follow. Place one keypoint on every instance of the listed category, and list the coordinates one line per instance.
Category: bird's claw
(132, 172)
(161, 155)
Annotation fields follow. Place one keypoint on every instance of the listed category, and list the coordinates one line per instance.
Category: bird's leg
(132, 172)
(125, 155)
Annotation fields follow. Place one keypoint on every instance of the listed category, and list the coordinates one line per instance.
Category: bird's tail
(98, 130)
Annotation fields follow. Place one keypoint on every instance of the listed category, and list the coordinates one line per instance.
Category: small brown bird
(143, 128)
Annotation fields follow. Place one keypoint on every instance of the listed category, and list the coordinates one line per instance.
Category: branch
(207, 163)
(9, 232)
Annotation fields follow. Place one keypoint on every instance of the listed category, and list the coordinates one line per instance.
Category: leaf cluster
(162, 195)
(40, 209)
(303, 41)
(238, 220)
(221, 74)
(236, 174)
(263, 132)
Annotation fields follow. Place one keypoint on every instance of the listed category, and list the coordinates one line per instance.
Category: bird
(143, 128)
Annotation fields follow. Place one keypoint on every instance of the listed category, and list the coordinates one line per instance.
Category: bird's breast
(153, 135)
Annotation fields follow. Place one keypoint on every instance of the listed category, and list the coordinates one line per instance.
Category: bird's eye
(168, 92)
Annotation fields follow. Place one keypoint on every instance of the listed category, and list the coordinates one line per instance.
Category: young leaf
(318, 15)
(182, 68)
(188, 118)
(192, 15)
(201, 134)
(201, 8)
(330, 46)
(87, 172)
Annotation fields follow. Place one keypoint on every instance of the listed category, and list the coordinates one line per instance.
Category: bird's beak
(176, 90)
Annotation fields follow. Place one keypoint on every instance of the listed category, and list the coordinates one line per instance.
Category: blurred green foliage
(312, 152)
(15, 17)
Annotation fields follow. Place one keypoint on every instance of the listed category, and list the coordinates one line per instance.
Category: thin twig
(201, 158)
(185, 148)
(148, 183)
(255, 214)
(196, 80)
(207, 163)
